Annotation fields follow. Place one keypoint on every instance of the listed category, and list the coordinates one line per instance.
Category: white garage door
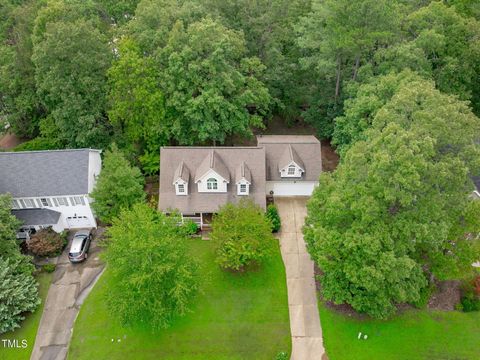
(78, 222)
(291, 188)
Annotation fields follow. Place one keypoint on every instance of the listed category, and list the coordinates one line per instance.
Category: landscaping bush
(272, 215)
(47, 242)
(282, 356)
(18, 291)
(49, 268)
(190, 227)
(154, 276)
(243, 235)
(470, 300)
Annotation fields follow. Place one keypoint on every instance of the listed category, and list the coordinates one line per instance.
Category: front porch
(203, 220)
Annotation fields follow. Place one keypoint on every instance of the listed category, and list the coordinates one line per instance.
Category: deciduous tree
(153, 276)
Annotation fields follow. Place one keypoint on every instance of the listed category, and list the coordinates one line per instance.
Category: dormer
(212, 175)
(290, 165)
(243, 179)
(180, 179)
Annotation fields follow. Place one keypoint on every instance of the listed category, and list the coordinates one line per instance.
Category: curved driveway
(307, 342)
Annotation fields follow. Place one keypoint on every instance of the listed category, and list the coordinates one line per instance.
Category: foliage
(376, 226)
(274, 218)
(155, 279)
(47, 242)
(39, 143)
(18, 292)
(242, 234)
(212, 88)
(470, 302)
(282, 356)
(118, 186)
(8, 228)
(191, 228)
(70, 71)
(136, 103)
(49, 268)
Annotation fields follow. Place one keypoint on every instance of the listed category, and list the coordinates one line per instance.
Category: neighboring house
(51, 188)
(197, 181)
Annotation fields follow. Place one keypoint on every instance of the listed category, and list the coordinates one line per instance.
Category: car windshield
(75, 254)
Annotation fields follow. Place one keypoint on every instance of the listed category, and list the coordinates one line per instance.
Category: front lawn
(236, 316)
(28, 328)
(416, 334)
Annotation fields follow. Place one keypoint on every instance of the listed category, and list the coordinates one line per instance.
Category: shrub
(18, 291)
(47, 242)
(190, 227)
(470, 300)
(243, 235)
(272, 215)
(38, 143)
(154, 278)
(49, 268)
(282, 356)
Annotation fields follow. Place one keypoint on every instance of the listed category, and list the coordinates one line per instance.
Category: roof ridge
(290, 151)
(212, 156)
(47, 151)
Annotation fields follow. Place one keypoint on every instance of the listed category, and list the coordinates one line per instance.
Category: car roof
(82, 233)
(76, 245)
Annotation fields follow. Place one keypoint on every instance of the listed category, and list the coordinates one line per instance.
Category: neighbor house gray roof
(305, 151)
(44, 173)
(223, 160)
(37, 216)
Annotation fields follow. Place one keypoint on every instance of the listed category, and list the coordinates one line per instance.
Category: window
(29, 203)
(15, 204)
(22, 203)
(46, 202)
(181, 188)
(77, 200)
(62, 201)
(291, 170)
(243, 188)
(212, 184)
(55, 202)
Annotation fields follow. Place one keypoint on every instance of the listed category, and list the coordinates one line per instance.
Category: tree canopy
(154, 278)
(398, 200)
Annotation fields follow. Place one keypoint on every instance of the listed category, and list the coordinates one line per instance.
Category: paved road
(71, 283)
(307, 342)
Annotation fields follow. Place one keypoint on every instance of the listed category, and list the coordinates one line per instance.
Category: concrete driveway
(307, 342)
(71, 283)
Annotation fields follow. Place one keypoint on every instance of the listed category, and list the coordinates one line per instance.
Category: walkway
(307, 342)
(71, 283)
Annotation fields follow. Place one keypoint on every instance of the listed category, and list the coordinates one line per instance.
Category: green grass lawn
(28, 328)
(416, 334)
(236, 316)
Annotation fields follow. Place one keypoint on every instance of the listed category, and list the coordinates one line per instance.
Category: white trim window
(77, 200)
(62, 201)
(291, 170)
(181, 188)
(29, 203)
(15, 204)
(212, 184)
(46, 202)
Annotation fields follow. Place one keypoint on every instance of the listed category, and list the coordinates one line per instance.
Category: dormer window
(180, 179)
(212, 184)
(181, 188)
(243, 188)
(291, 170)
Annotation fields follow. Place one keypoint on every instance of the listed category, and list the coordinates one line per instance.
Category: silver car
(80, 244)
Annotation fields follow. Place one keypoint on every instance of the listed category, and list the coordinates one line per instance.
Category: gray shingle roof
(37, 216)
(289, 155)
(44, 173)
(182, 172)
(212, 162)
(305, 147)
(194, 158)
(243, 172)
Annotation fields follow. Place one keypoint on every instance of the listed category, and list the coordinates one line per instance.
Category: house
(197, 181)
(51, 188)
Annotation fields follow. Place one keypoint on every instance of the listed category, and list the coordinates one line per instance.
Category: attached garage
(78, 222)
(290, 188)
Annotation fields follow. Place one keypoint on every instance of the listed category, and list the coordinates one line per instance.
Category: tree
(18, 292)
(120, 11)
(137, 107)
(8, 228)
(71, 63)
(274, 218)
(212, 89)
(365, 101)
(377, 225)
(119, 185)
(153, 277)
(243, 235)
(337, 38)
